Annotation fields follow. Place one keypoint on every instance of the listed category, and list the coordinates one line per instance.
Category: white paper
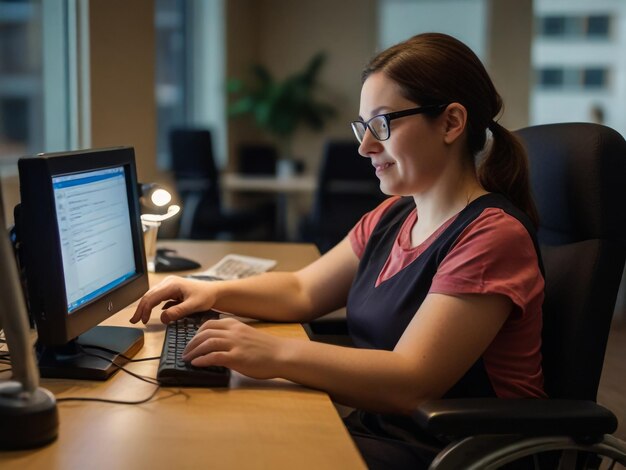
(237, 267)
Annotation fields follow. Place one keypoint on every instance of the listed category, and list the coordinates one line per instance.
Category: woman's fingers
(170, 304)
(169, 289)
(219, 324)
(230, 343)
(208, 346)
(205, 333)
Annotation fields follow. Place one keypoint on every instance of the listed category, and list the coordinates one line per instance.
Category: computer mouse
(166, 261)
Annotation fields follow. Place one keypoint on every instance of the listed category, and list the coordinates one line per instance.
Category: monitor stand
(74, 360)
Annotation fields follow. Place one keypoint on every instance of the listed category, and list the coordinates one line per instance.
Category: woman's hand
(185, 296)
(230, 343)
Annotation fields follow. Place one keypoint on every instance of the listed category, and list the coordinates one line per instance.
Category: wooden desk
(270, 424)
(288, 189)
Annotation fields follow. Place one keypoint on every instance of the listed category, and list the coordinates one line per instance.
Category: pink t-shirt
(493, 255)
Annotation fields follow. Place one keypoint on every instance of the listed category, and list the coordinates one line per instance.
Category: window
(594, 78)
(551, 77)
(598, 26)
(39, 73)
(573, 78)
(190, 66)
(171, 72)
(552, 26)
(574, 27)
(21, 83)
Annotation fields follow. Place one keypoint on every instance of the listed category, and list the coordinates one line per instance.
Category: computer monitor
(80, 242)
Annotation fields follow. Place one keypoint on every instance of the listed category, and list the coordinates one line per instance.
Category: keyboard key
(176, 372)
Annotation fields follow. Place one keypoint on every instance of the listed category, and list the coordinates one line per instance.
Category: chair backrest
(578, 177)
(257, 159)
(347, 189)
(193, 164)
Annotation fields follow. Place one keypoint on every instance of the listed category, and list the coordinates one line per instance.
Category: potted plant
(280, 108)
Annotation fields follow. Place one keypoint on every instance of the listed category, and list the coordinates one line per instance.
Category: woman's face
(413, 157)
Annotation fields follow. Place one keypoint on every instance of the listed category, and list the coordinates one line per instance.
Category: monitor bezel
(43, 264)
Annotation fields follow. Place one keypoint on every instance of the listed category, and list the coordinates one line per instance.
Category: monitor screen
(82, 251)
(94, 232)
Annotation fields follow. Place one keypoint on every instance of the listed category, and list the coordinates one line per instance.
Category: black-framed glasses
(379, 124)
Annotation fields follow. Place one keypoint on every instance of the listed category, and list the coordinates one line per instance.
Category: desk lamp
(155, 210)
(28, 413)
(155, 199)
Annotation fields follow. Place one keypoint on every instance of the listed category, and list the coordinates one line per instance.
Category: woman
(442, 281)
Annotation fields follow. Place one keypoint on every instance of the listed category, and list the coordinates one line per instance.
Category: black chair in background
(198, 184)
(257, 159)
(578, 174)
(347, 189)
(260, 160)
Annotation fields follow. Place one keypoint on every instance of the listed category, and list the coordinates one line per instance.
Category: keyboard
(173, 370)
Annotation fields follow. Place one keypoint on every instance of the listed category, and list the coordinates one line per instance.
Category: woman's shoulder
(497, 234)
(493, 209)
(501, 220)
(499, 226)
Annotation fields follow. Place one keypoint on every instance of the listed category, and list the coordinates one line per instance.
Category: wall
(508, 57)
(284, 35)
(242, 51)
(498, 31)
(122, 67)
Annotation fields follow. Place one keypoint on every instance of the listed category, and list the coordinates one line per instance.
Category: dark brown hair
(434, 68)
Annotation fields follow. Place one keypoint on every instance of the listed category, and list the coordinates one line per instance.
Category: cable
(7, 355)
(143, 359)
(115, 402)
(5, 359)
(129, 359)
(150, 380)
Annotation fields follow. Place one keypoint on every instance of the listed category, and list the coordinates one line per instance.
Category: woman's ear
(455, 117)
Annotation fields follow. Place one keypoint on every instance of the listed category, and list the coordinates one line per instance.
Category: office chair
(257, 159)
(578, 172)
(260, 160)
(347, 189)
(198, 183)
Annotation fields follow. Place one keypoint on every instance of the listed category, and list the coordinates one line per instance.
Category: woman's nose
(369, 144)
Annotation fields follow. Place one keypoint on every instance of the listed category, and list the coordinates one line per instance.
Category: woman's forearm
(293, 296)
(274, 296)
(375, 380)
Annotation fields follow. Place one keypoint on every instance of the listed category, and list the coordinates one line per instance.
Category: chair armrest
(331, 329)
(537, 417)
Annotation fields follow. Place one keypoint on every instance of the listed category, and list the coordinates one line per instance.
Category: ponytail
(504, 170)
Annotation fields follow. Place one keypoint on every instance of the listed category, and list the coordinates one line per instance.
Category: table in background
(288, 189)
(270, 424)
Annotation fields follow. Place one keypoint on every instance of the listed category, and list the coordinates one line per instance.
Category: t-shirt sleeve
(493, 255)
(360, 233)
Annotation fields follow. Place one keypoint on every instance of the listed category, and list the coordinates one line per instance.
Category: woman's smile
(381, 167)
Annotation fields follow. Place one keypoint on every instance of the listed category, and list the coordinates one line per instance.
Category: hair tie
(492, 125)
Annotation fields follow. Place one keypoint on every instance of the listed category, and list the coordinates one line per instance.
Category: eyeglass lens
(378, 127)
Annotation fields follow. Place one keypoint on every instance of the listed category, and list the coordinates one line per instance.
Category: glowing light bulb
(160, 197)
